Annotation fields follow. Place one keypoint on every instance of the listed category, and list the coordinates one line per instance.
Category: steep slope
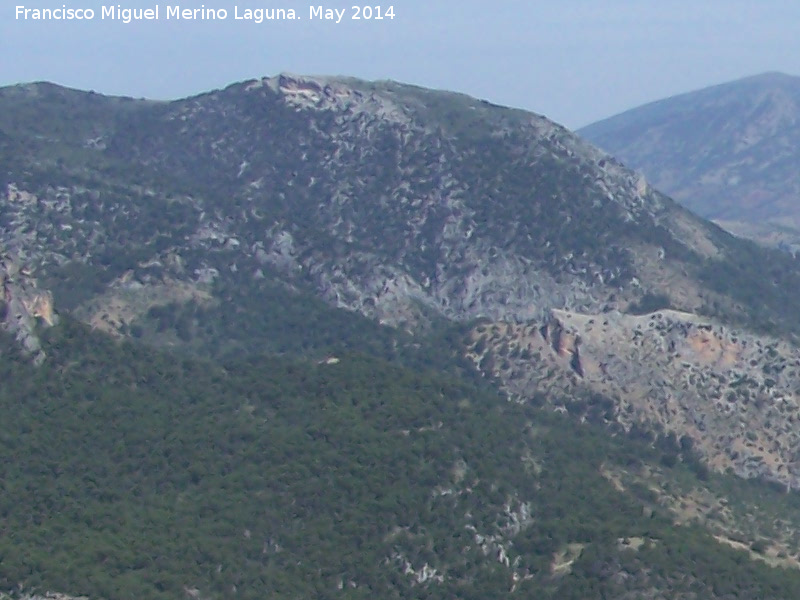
(733, 394)
(728, 152)
(394, 201)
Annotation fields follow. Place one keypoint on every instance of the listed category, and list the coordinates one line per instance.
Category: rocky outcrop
(733, 393)
(25, 306)
(45, 596)
(128, 299)
(346, 97)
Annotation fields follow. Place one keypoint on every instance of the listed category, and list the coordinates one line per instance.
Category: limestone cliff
(25, 306)
(735, 394)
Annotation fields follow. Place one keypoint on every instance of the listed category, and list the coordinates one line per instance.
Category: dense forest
(130, 473)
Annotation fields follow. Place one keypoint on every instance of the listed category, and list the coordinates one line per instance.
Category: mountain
(234, 257)
(727, 152)
(401, 203)
(242, 220)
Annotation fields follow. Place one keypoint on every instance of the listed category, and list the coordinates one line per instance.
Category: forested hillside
(129, 474)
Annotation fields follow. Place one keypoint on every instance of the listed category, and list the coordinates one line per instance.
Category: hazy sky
(574, 61)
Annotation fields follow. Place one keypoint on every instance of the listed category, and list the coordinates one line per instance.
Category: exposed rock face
(127, 299)
(339, 95)
(45, 596)
(24, 305)
(733, 393)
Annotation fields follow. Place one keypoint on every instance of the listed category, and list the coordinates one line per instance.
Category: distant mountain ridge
(728, 152)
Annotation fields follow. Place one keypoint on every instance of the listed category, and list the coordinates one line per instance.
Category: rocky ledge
(733, 394)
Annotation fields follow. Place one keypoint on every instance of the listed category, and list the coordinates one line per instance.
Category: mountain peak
(770, 77)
